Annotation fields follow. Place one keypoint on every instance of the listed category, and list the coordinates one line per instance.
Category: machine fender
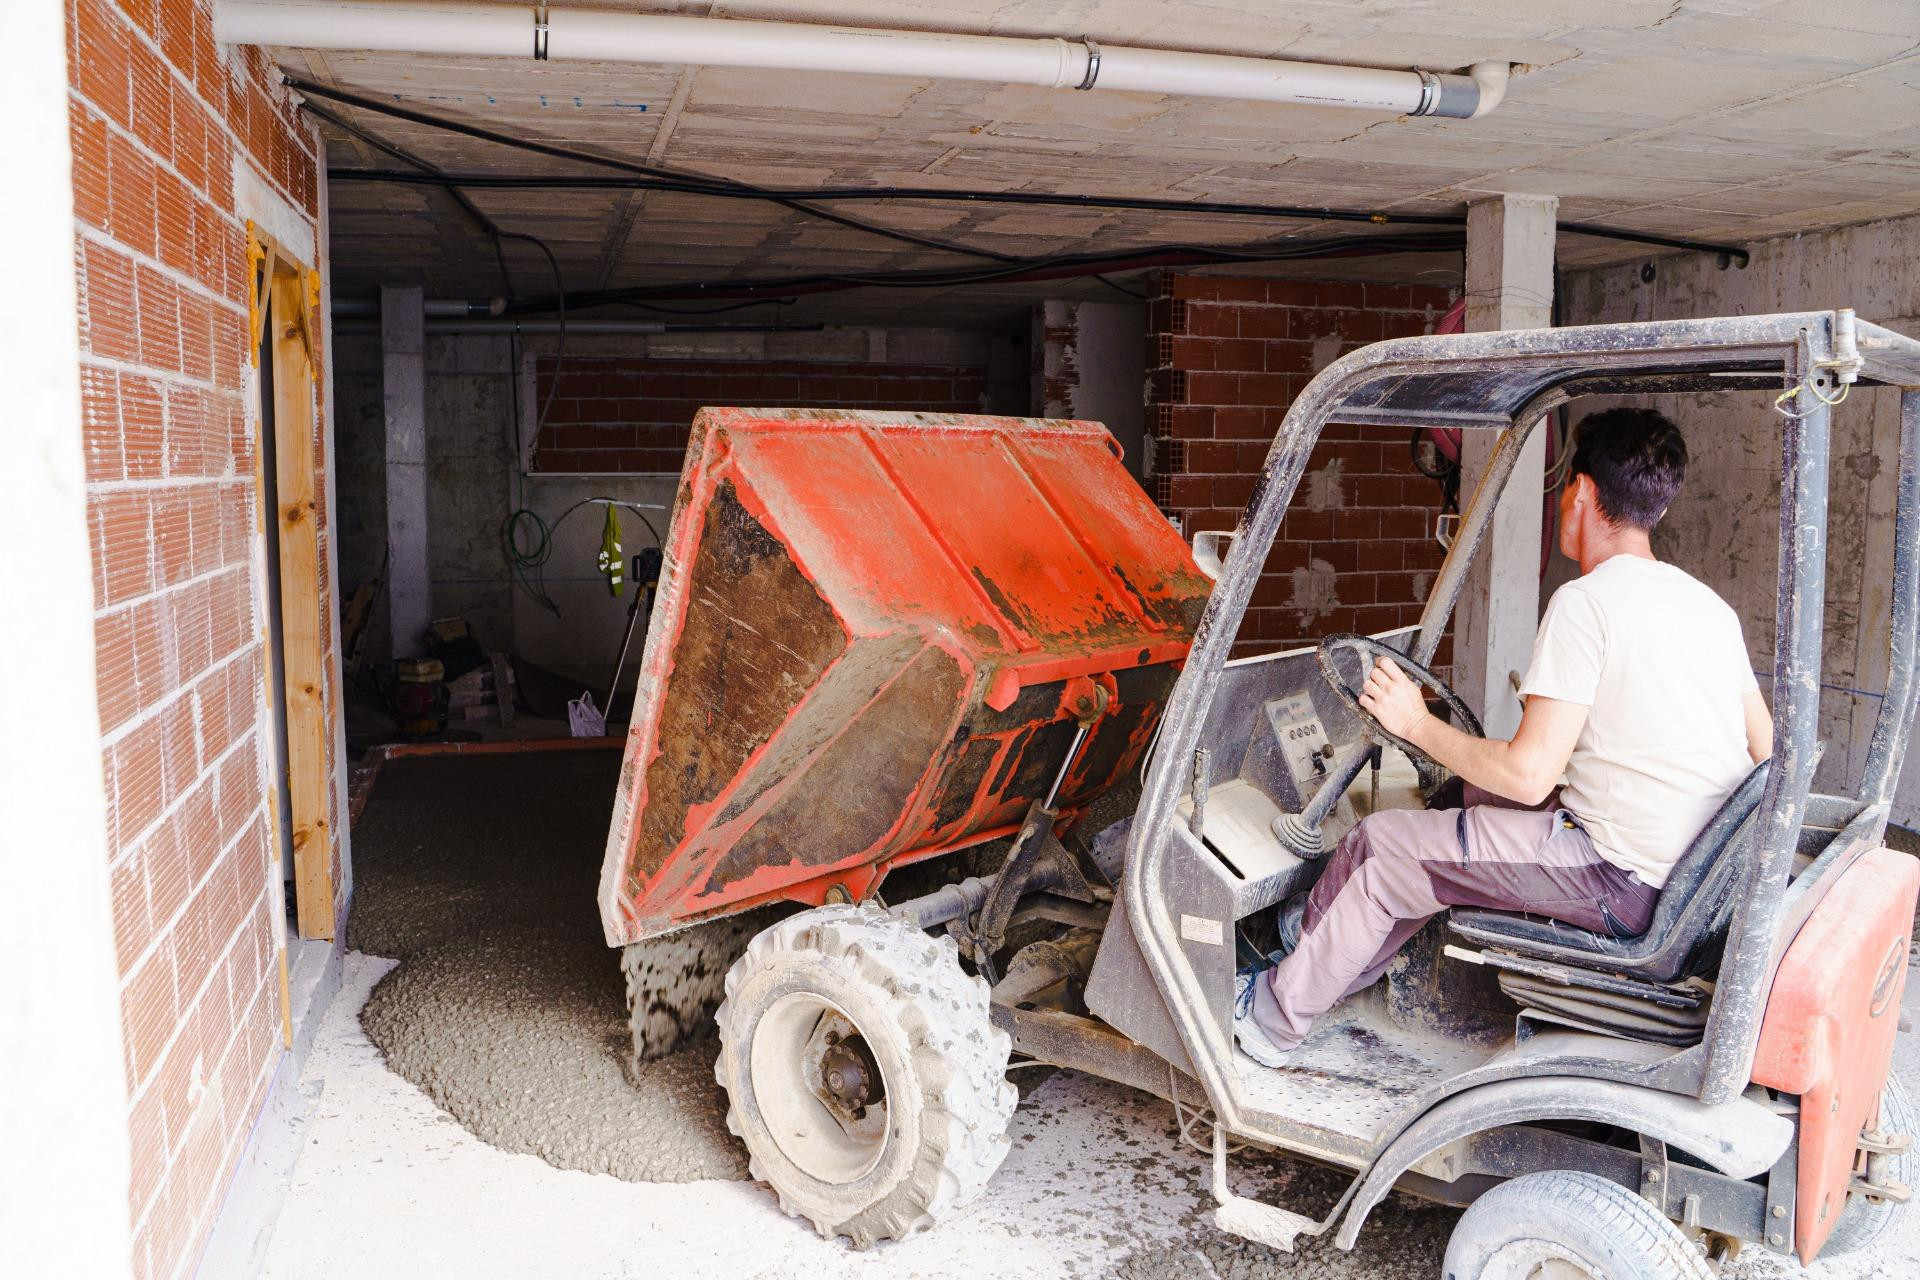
(1829, 1027)
(1741, 1138)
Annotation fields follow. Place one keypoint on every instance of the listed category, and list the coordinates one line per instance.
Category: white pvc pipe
(516, 31)
(1491, 77)
(401, 26)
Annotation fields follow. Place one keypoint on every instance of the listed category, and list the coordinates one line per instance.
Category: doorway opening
(285, 297)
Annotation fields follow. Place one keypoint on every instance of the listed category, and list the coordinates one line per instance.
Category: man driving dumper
(1642, 715)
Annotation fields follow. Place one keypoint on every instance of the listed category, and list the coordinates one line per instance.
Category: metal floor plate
(1354, 1076)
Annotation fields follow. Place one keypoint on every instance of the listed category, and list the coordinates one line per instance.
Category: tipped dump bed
(873, 634)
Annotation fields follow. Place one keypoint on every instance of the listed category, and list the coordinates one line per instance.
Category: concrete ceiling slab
(1710, 119)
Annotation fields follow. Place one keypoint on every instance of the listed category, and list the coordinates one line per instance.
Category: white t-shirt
(1660, 661)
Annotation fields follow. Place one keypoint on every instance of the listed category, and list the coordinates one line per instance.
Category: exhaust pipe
(544, 34)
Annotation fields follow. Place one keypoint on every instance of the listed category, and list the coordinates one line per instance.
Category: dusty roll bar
(1894, 725)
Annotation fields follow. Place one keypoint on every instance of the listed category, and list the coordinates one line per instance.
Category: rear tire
(1545, 1226)
(863, 1072)
(1861, 1221)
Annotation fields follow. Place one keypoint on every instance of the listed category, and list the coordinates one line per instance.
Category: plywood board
(302, 628)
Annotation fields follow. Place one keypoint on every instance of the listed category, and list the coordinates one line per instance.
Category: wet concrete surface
(506, 1009)
(478, 874)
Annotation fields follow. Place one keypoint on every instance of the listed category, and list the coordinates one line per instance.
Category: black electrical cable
(560, 354)
(487, 225)
(537, 182)
(1059, 266)
(526, 538)
(524, 562)
(717, 311)
(1226, 208)
(800, 199)
(699, 183)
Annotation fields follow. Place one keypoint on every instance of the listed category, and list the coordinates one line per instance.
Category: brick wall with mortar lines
(1225, 359)
(159, 114)
(620, 414)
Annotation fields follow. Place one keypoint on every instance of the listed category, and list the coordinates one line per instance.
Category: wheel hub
(820, 1088)
(849, 1075)
(1531, 1259)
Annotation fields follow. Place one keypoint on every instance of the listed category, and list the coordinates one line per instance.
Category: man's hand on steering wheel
(1388, 701)
(1393, 699)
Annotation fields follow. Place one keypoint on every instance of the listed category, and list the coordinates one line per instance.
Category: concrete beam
(403, 342)
(1509, 286)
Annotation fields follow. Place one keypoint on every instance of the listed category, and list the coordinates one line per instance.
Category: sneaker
(1246, 1032)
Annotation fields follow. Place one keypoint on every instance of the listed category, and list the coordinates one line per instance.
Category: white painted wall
(1724, 527)
(63, 1102)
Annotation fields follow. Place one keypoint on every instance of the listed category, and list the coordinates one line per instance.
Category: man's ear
(1585, 491)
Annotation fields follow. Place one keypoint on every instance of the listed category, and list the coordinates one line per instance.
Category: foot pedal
(1270, 1225)
(1267, 1224)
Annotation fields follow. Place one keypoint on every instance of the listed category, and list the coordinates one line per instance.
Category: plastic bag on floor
(586, 720)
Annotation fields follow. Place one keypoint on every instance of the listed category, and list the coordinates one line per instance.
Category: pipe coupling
(1429, 92)
(1093, 63)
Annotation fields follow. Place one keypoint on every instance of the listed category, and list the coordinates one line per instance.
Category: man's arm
(1759, 726)
(1525, 770)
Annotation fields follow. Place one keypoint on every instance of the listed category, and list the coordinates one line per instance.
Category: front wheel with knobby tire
(863, 1072)
(1569, 1226)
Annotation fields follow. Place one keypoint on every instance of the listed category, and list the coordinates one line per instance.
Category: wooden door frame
(286, 293)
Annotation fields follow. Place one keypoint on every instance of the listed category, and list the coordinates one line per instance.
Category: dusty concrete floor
(506, 1010)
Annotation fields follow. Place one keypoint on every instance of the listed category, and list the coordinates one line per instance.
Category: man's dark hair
(1637, 459)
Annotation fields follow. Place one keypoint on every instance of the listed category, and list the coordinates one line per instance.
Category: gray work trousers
(1396, 870)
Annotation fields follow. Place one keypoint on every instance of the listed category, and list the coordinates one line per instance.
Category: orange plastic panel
(1829, 1027)
(869, 637)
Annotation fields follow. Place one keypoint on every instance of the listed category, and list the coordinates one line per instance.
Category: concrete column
(1509, 286)
(403, 343)
(1092, 363)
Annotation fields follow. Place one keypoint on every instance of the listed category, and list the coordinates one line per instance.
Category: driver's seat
(1689, 922)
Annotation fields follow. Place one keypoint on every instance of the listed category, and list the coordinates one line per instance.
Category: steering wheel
(1334, 645)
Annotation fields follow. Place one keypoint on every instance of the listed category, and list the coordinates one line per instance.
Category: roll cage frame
(1507, 382)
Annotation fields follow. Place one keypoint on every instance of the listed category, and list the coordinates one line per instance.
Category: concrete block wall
(1226, 357)
(626, 414)
(1724, 527)
(176, 141)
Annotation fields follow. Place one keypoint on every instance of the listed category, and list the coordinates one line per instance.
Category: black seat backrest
(1689, 924)
(1690, 920)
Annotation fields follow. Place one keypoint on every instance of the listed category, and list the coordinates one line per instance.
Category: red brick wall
(627, 414)
(1226, 357)
(158, 114)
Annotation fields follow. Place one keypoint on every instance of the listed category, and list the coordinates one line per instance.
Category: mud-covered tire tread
(965, 1101)
(1561, 1203)
(1861, 1223)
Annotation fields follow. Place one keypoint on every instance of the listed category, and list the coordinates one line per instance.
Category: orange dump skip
(872, 635)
